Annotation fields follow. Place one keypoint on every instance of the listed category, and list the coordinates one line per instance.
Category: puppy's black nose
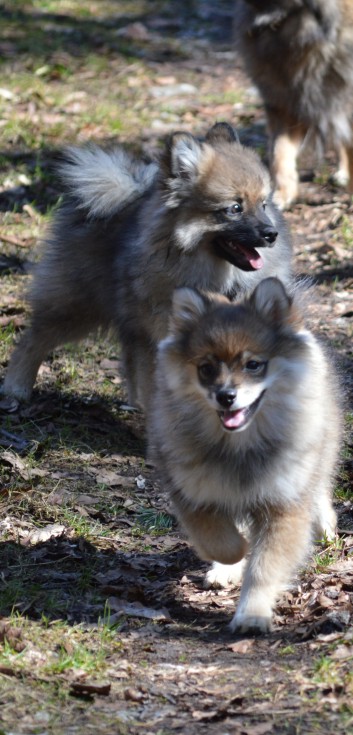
(269, 234)
(226, 396)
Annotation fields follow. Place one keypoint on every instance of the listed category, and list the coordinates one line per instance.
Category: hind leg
(138, 359)
(24, 364)
(45, 333)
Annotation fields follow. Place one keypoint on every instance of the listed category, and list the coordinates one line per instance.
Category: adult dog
(299, 53)
(129, 232)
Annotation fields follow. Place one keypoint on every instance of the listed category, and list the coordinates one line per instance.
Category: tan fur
(245, 430)
(213, 533)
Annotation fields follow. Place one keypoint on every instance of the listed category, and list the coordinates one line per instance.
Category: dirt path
(105, 626)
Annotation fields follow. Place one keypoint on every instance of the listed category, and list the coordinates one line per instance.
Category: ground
(105, 626)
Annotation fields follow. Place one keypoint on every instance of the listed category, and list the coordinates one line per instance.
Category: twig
(14, 240)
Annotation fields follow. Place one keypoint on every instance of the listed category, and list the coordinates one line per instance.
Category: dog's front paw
(340, 178)
(286, 194)
(223, 575)
(255, 624)
(22, 395)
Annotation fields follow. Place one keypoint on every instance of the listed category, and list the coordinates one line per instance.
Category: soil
(106, 626)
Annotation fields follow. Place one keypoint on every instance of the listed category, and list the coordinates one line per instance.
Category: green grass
(328, 555)
(154, 522)
(73, 79)
(346, 232)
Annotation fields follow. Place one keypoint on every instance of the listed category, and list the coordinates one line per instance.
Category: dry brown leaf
(201, 715)
(134, 695)
(241, 646)
(7, 671)
(20, 466)
(111, 478)
(87, 499)
(136, 609)
(342, 652)
(88, 688)
(325, 601)
(13, 636)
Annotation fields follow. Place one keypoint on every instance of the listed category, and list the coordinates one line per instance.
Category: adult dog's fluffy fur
(245, 428)
(299, 54)
(128, 233)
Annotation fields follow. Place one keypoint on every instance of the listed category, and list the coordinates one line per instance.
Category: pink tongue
(233, 419)
(252, 256)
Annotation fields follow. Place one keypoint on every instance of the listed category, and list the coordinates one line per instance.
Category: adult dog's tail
(105, 182)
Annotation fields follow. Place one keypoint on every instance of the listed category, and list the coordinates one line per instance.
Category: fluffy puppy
(245, 429)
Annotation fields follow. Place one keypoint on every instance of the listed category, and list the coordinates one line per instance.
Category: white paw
(340, 178)
(243, 623)
(285, 196)
(326, 523)
(223, 575)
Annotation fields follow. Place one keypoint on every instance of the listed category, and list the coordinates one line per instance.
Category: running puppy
(245, 430)
(128, 233)
(299, 53)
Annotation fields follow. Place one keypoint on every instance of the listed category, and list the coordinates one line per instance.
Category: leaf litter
(105, 624)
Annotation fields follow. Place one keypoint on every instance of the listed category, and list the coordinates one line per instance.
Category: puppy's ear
(184, 155)
(188, 307)
(271, 301)
(222, 132)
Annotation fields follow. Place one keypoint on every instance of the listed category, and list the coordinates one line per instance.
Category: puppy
(245, 430)
(299, 53)
(129, 232)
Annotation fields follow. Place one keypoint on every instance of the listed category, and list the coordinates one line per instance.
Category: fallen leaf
(134, 695)
(260, 729)
(342, 652)
(107, 364)
(40, 535)
(18, 464)
(87, 499)
(111, 478)
(201, 715)
(241, 646)
(136, 609)
(7, 671)
(13, 636)
(88, 688)
(135, 31)
(325, 601)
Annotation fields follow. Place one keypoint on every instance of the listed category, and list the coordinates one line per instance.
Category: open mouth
(235, 420)
(243, 256)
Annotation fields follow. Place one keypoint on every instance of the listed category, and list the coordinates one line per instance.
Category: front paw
(285, 194)
(254, 624)
(224, 575)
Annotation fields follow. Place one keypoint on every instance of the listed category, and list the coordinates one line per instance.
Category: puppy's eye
(208, 371)
(235, 208)
(256, 367)
(264, 204)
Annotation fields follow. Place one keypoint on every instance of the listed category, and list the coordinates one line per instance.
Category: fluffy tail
(104, 182)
